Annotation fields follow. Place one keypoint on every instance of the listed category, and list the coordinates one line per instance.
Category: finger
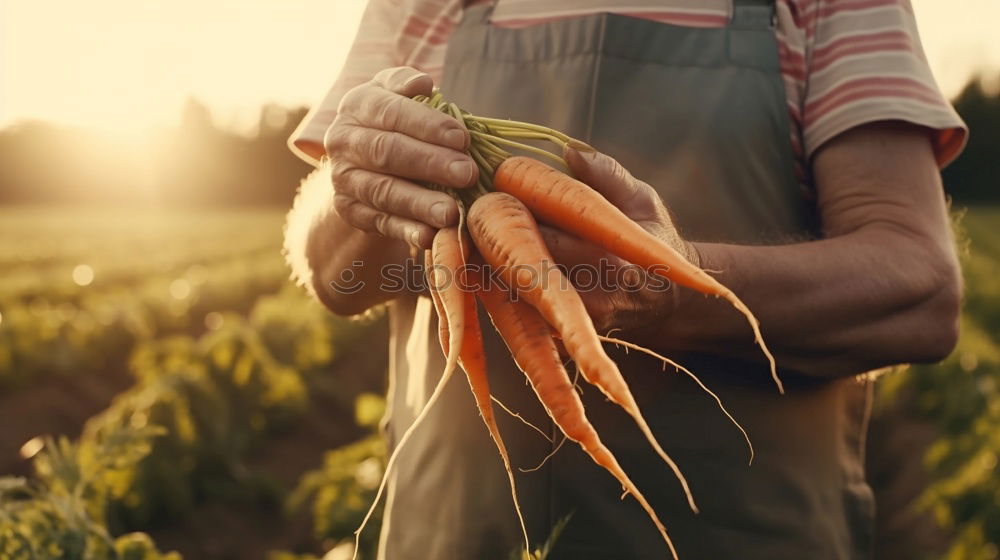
(375, 107)
(571, 251)
(394, 153)
(604, 174)
(600, 309)
(368, 219)
(397, 196)
(405, 81)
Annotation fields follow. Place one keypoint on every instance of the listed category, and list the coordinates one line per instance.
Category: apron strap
(753, 13)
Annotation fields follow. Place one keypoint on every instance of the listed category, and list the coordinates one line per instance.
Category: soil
(61, 404)
(57, 404)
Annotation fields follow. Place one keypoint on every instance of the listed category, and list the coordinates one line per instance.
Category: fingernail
(415, 237)
(413, 79)
(439, 213)
(461, 171)
(581, 147)
(455, 138)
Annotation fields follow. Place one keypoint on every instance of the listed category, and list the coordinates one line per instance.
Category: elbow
(338, 287)
(342, 308)
(941, 307)
(338, 302)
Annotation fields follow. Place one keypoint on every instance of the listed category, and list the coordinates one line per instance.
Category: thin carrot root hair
(632, 408)
(494, 429)
(628, 345)
(576, 387)
(521, 418)
(546, 458)
(729, 296)
(438, 390)
(602, 455)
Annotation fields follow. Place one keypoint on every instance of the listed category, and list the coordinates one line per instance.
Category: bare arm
(327, 249)
(882, 287)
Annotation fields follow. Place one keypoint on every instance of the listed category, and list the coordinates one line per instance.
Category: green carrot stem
(457, 113)
(486, 170)
(519, 133)
(504, 123)
(436, 99)
(520, 146)
(489, 148)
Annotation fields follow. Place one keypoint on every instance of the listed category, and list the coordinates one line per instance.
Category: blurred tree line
(201, 164)
(973, 177)
(197, 163)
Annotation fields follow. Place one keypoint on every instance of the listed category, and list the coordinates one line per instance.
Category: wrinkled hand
(625, 297)
(381, 144)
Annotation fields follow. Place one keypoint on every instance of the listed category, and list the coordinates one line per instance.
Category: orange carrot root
(528, 337)
(449, 253)
(557, 198)
(456, 323)
(507, 237)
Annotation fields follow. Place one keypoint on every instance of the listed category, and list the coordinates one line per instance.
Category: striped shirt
(844, 62)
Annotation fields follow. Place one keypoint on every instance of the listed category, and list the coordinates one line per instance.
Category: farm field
(162, 370)
(162, 381)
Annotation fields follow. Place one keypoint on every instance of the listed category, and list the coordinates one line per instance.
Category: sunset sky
(126, 65)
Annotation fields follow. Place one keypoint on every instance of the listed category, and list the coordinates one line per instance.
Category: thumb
(601, 172)
(405, 81)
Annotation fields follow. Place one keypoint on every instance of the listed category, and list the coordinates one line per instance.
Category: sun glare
(126, 66)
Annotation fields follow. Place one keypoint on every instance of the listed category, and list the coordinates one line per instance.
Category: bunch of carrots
(539, 309)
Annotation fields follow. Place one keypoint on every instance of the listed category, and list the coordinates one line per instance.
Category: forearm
(323, 251)
(839, 306)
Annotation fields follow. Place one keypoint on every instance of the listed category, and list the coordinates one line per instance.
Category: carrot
(444, 333)
(455, 316)
(528, 337)
(448, 253)
(507, 237)
(562, 201)
(448, 260)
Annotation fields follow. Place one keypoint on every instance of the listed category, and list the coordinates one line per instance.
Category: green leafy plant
(62, 513)
(543, 551)
(961, 396)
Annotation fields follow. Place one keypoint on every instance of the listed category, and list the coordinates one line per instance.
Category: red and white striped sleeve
(864, 63)
(375, 48)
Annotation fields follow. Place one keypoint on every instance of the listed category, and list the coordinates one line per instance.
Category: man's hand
(617, 294)
(381, 144)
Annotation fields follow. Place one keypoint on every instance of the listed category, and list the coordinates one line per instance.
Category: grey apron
(701, 115)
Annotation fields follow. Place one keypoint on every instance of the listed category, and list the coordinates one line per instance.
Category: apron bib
(699, 114)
